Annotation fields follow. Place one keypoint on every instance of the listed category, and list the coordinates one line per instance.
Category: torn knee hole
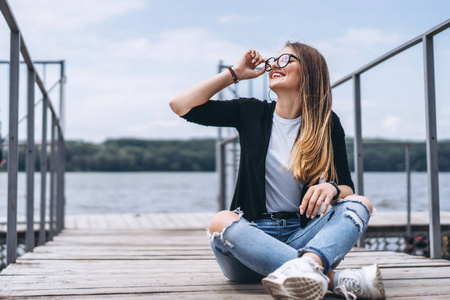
(355, 218)
(220, 234)
(369, 210)
(217, 232)
(223, 220)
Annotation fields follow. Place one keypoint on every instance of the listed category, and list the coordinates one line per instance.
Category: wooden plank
(219, 295)
(116, 222)
(98, 221)
(399, 218)
(132, 221)
(201, 220)
(119, 289)
(145, 222)
(82, 222)
(166, 221)
(69, 221)
(151, 221)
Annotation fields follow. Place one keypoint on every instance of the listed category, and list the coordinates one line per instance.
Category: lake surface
(115, 193)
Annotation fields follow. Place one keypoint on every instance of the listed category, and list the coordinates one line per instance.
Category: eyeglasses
(282, 61)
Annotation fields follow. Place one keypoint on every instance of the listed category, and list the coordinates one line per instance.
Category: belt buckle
(273, 217)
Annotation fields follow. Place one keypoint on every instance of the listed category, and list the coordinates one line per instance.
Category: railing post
(223, 176)
(43, 170)
(408, 189)
(30, 161)
(60, 183)
(218, 148)
(52, 180)
(13, 149)
(62, 117)
(265, 87)
(235, 162)
(44, 75)
(432, 154)
(358, 147)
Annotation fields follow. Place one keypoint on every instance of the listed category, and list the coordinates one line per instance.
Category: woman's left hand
(317, 195)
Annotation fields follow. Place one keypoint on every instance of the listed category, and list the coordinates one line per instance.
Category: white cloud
(236, 18)
(185, 46)
(124, 85)
(51, 16)
(355, 48)
(229, 18)
(120, 86)
(355, 40)
(368, 37)
(391, 124)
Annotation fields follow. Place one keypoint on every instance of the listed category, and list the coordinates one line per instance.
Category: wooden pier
(167, 256)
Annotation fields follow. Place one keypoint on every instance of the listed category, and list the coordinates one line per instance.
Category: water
(115, 193)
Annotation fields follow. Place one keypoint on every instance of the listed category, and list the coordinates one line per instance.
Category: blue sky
(127, 59)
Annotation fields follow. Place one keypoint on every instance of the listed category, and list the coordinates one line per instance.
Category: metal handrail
(57, 154)
(430, 114)
(435, 30)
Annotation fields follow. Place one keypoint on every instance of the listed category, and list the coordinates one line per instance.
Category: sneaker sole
(377, 289)
(294, 288)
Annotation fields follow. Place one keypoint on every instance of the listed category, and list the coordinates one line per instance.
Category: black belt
(278, 215)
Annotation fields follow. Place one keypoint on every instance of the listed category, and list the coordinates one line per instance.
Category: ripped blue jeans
(249, 251)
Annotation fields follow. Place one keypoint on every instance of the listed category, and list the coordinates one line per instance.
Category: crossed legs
(221, 223)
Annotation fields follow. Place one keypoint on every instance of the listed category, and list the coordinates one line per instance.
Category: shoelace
(316, 267)
(349, 287)
(319, 268)
(342, 290)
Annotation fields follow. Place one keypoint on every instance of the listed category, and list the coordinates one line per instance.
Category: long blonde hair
(312, 154)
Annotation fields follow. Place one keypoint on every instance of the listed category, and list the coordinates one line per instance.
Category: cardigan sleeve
(340, 153)
(216, 113)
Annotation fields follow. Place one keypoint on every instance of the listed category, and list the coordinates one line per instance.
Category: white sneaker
(300, 278)
(364, 283)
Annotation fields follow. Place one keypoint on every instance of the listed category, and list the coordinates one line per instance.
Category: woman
(295, 216)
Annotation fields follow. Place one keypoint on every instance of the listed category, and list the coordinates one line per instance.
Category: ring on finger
(321, 199)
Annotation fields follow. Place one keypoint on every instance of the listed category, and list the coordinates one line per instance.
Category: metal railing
(431, 136)
(57, 146)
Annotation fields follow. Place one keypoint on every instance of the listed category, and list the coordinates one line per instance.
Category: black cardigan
(253, 120)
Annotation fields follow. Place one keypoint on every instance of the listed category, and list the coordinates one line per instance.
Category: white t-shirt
(283, 191)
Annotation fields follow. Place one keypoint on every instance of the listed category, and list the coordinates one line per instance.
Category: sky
(125, 60)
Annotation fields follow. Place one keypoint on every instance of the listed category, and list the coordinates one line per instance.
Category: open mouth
(277, 75)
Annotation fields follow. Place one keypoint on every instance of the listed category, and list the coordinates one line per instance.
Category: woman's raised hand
(201, 92)
(245, 67)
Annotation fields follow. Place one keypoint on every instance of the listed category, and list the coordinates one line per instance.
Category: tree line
(127, 155)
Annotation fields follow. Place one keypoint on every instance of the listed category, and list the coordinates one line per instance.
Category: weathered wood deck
(167, 256)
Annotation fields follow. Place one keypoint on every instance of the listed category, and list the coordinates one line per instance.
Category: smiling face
(285, 79)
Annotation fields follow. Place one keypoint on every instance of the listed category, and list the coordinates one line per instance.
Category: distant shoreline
(199, 155)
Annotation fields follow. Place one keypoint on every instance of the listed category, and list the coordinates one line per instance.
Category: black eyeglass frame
(268, 66)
